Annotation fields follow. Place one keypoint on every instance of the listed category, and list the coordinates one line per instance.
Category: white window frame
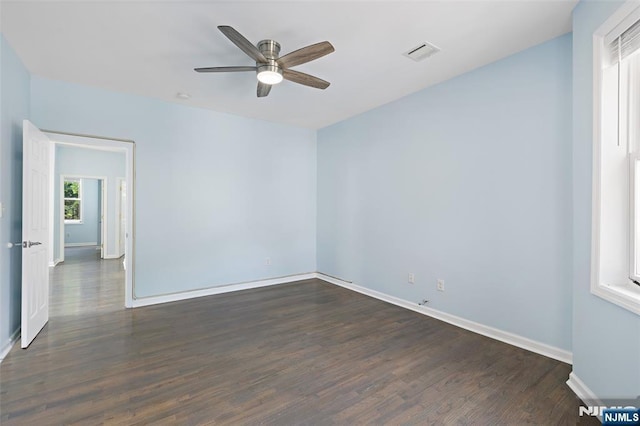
(634, 204)
(624, 292)
(80, 186)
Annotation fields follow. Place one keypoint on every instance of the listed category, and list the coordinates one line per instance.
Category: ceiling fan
(271, 68)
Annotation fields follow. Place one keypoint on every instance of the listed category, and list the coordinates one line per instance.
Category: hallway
(84, 283)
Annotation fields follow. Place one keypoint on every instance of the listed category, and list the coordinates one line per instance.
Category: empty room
(320, 212)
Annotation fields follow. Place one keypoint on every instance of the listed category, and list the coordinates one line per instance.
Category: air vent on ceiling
(422, 51)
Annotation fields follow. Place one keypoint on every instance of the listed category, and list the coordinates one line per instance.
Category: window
(616, 160)
(72, 201)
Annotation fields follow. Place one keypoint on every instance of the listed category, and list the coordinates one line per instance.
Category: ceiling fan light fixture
(269, 73)
(269, 77)
(271, 68)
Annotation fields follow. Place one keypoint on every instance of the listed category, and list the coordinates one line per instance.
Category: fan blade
(224, 69)
(306, 79)
(263, 89)
(306, 54)
(245, 45)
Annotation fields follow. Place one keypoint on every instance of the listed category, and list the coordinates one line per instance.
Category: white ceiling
(150, 48)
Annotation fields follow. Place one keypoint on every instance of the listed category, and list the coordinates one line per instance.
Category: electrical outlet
(267, 261)
(440, 285)
(411, 278)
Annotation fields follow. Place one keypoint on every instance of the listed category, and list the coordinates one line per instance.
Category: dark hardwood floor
(85, 284)
(307, 353)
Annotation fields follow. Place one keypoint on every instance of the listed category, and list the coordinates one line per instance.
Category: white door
(123, 215)
(35, 232)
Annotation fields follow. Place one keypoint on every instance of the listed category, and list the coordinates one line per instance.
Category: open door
(35, 232)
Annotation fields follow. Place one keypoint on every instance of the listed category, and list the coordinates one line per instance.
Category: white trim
(102, 223)
(583, 392)
(52, 206)
(129, 148)
(598, 45)
(90, 243)
(118, 198)
(54, 263)
(7, 347)
(622, 19)
(61, 219)
(633, 200)
(494, 333)
(626, 297)
(111, 256)
(154, 300)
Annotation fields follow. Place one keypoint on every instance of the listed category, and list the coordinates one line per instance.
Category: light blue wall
(89, 230)
(606, 338)
(14, 107)
(74, 161)
(477, 181)
(215, 193)
(468, 181)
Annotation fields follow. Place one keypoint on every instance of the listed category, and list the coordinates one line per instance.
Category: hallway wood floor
(84, 283)
(306, 353)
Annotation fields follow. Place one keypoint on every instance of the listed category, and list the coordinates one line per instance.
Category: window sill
(73, 222)
(626, 296)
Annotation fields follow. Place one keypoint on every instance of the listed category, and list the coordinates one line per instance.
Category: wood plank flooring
(85, 284)
(307, 353)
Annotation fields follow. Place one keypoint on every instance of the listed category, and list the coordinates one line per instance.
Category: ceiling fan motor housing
(270, 49)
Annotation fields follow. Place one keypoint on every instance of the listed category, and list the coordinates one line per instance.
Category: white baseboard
(54, 263)
(7, 347)
(92, 243)
(582, 391)
(154, 300)
(111, 256)
(494, 333)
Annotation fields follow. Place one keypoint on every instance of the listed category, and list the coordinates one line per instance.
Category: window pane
(72, 210)
(71, 189)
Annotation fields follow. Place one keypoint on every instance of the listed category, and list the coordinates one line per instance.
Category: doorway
(84, 170)
(82, 217)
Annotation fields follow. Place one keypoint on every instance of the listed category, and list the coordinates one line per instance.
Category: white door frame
(119, 209)
(103, 215)
(52, 194)
(117, 145)
(103, 225)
